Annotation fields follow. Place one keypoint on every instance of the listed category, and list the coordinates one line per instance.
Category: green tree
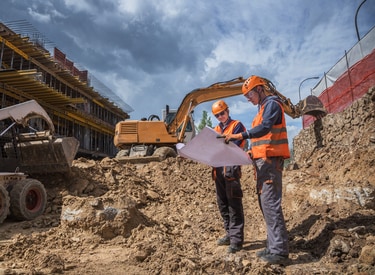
(205, 121)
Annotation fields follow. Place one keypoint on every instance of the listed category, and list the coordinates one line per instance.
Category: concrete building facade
(29, 71)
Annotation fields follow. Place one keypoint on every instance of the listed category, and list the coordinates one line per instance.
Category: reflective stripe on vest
(274, 143)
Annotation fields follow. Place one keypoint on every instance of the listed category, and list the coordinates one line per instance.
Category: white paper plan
(208, 149)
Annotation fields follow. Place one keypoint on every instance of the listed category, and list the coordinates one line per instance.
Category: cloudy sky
(151, 53)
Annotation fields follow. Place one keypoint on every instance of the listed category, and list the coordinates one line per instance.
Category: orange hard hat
(219, 106)
(251, 83)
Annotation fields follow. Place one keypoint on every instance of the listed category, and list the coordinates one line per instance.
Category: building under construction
(29, 71)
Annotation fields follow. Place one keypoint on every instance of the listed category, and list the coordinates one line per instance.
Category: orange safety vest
(229, 130)
(273, 144)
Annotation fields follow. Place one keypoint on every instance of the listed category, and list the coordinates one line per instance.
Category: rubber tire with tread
(165, 152)
(4, 203)
(28, 199)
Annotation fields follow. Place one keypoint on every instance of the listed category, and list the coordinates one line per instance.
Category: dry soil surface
(162, 218)
(108, 217)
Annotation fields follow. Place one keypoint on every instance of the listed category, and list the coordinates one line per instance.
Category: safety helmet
(219, 106)
(251, 83)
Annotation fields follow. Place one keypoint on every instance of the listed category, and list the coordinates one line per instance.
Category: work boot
(224, 241)
(272, 258)
(262, 252)
(233, 248)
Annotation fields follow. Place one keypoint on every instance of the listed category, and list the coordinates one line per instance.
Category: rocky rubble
(161, 218)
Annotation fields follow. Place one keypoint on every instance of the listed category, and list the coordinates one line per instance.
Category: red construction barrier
(349, 87)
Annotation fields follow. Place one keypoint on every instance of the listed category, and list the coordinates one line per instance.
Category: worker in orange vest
(227, 181)
(269, 149)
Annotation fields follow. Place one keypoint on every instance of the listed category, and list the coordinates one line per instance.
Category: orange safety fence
(350, 86)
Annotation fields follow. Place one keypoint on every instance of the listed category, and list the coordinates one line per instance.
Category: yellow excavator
(154, 140)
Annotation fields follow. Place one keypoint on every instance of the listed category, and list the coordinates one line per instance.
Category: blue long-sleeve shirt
(272, 115)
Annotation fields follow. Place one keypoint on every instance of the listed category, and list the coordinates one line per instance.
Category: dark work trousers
(229, 199)
(269, 189)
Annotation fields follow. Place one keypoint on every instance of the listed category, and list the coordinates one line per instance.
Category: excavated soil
(108, 217)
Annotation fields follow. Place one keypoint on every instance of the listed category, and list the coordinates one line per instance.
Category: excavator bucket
(47, 155)
(312, 105)
(29, 150)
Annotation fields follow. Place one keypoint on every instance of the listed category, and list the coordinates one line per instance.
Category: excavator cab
(28, 143)
(188, 132)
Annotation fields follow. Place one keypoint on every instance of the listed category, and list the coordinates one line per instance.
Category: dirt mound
(162, 218)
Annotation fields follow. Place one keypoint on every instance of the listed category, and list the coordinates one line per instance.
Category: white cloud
(43, 18)
(129, 6)
(81, 5)
(293, 130)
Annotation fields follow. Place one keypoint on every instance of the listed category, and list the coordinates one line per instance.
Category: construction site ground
(107, 217)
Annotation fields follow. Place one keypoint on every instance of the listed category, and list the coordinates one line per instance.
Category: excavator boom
(311, 105)
(191, 100)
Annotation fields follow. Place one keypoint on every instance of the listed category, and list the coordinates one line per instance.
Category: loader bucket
(47, 155)
(312, 105)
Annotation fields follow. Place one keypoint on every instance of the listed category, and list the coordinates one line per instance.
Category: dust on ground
(108, 217)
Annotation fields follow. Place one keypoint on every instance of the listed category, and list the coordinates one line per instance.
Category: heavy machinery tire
(28, 199)
(4, 203)
(165, 152)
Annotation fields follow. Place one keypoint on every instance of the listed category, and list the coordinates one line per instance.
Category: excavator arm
(311, 105)
(191, 100)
